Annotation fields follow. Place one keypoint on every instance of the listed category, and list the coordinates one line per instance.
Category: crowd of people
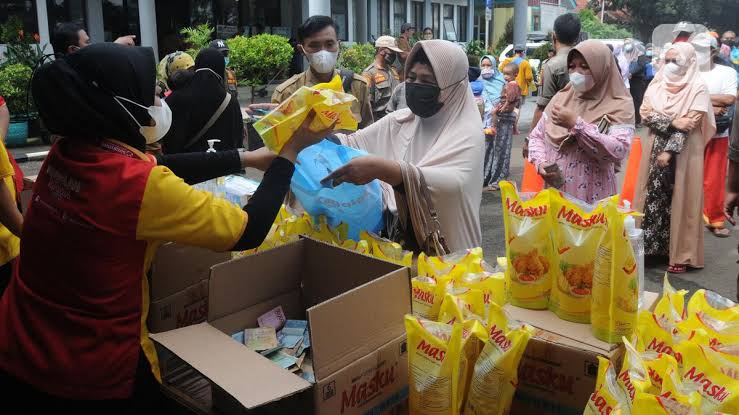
(132, 138)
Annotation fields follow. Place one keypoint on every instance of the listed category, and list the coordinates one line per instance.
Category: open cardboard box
(559, 368)
(354, 305)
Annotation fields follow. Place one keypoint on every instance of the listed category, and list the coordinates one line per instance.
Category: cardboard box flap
(357, 322)
(246, 375)
(177, 267)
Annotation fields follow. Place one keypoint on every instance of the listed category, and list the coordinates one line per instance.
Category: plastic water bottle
(636, 238)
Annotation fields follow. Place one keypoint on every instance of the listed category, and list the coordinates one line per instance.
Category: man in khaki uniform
(318, 41)
(382, 76)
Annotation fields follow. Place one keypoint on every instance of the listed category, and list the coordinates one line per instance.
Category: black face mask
(389, 58)
(423, 99)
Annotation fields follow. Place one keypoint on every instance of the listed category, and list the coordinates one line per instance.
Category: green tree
(257, 59)
(356, 57)
(14, 82)
(197, 38)
(591, 24)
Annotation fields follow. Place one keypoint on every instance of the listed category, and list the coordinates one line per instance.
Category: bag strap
(211, 121)
(435, 240)
(347, 76)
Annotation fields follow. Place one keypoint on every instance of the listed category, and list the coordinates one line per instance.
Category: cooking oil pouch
(330, 103)
(653, 336)
(608, 397)
(434, 365)
(387, 250)
(708, 331)
(427, 295)
(492, 286)
(578, 229)
(615, 297)
(358, 246)
(634, 375)
(713, 304)
(473, 341)
(672, 303)
(706, 369)
(495, 373)
(658, 365)
(528, 246)
(674, 399)
(460, 305)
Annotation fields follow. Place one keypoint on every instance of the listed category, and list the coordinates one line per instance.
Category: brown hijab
(608, 97)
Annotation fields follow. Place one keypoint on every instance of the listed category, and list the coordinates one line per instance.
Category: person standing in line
(493, 82)
(731, 205)
(69, 37)
(728, 41)
(722, 88)
(638, 78)
(232, 84)
(407, 30)
(382, 76)
(497, 165)
(319, 43)
(670, 187)
(428, 33)
(554, 74)
(11, 219)
(397, 101)
(525, 75)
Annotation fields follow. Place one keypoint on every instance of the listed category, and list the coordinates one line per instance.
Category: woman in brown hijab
(587, 127)
(669, 192)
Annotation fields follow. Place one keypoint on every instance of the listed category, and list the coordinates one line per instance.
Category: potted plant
(14, 79)
(259, 59)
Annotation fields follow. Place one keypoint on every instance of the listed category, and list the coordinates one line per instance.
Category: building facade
(157, 23)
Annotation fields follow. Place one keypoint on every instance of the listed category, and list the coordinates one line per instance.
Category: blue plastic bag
(360, 207)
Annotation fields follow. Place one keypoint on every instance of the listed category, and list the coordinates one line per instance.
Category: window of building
(25, 11)
(462, 23)
(399, 15)
(436, 19)
(384, 17)
(536, 22)
(340, 14)
(417, 15)
(59, 11)
(201, 11)
(450, 32)
(121, 18)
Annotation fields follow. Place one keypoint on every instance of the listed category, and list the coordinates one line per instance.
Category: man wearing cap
(381, 75)
(683, 31)
(407, 31)
(232, 85)
(525, 75)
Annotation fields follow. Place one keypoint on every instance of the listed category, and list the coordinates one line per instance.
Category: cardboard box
(178, 287)
(559, 368)
(354, 305)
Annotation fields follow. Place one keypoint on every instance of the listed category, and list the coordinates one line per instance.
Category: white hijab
(447, 147)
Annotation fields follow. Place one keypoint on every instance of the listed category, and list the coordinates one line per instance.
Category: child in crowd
(505, 119)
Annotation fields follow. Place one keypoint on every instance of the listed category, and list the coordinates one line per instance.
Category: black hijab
(195, 103)
(74, 94)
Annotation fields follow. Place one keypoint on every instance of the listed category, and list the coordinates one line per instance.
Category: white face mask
(323, 61)
(162, 117)
(487, 73)
(673, 69)
(580, 82)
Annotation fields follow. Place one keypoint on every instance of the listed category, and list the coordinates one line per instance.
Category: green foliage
(542, 52)
(256, 59)
(20, 47)
(475, 50)
(197, 38)
(14, 80)
(506, 39)
(591, 24)
(356, 57)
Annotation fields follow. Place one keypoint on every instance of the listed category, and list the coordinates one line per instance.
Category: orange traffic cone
(531, 181)
(632, 171)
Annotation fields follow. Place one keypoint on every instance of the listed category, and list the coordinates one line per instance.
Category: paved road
(720, 273)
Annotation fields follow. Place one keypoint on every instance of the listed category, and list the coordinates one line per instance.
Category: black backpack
(347, 76)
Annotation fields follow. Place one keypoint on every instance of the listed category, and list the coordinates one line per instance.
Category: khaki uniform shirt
(405, 46)
(554, 75)
(382, 83)
(361, 109)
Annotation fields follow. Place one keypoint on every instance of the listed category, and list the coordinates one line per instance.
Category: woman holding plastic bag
(428, 156)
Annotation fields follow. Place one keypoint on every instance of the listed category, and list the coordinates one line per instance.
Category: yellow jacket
(525, 75)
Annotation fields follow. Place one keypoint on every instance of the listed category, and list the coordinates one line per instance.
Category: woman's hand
(552, 178)
(362, 170)
(663, 159)
(251, 109)
(718, 111)
(303, 138)
(684, 124)
(564, 117)
(259, 159)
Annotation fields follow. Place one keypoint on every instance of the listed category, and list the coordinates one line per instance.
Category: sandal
(720, 232)
(677, 269)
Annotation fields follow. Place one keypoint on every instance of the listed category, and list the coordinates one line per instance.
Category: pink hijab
(448, 147)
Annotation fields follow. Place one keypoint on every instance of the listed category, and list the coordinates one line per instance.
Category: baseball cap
(219, 44)
(406, 26)
(387, 42)
(684, 27)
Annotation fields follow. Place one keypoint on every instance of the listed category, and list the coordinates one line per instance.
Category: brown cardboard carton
(187, 307)
(354, 305)
(559, 368)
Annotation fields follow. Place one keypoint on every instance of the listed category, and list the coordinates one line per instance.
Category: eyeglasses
(671, 61)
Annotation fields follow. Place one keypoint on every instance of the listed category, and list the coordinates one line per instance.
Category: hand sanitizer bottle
(636, 237)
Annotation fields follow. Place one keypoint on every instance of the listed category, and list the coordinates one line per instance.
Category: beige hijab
(608, 97)
(448, 148)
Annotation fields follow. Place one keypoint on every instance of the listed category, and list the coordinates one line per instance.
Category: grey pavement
(721, 257)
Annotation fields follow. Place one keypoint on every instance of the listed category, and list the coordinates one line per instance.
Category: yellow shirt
(10, 244)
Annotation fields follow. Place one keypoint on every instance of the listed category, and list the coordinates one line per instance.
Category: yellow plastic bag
(578, 229)
(460, 305)
(615, 298)
(634, 376)
(608, 398)
(674, 398)
(387, 250)
(434, 366)
(492, 285)
(495, 374)
(713, 304)
(473, 341)
(702, 328)
(528, 246)
(705, 368)
(671, 305)
(427, 293)
(653, 337)
(330, 103)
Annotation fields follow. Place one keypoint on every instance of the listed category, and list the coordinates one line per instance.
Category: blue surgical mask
(649, 53)
(227, 60)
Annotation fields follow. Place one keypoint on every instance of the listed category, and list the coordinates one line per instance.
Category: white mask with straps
(162, 117)
(211, 71)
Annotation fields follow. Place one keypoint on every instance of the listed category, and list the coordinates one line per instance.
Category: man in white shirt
(722, 86)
